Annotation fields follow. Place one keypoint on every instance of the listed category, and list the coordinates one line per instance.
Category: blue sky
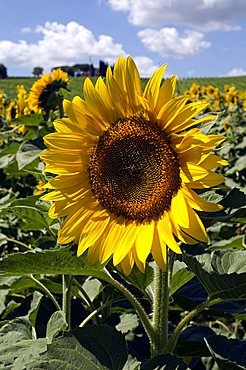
(194, 37)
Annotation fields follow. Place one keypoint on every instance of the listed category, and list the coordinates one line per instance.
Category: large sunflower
(44, 87)
(126, 163)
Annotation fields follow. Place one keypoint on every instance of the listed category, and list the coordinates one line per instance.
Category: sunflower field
(122, 228)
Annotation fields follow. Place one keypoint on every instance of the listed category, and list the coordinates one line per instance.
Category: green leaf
(169, 362)
(3, 295)
(26, 154)
(141, 280)
(223, 276)
(234, 199)
(29, 120)
(128, 322)
(92, 287)
(35, 304)
(17, 345)
(53, 262)
(56, 324)
(10, 149)
(239, 165)
(228, 353)
(191, 341)
(234, 242)
(33, 215)
(6, 160)
(106, 343)
(66, 353)
(180, 277)
(131, 364)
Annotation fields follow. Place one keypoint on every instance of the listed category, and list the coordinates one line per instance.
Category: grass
(8, 86)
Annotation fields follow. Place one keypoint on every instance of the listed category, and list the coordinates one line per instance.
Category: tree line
(84, 69)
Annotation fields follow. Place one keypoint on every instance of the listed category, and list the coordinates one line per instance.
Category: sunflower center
(133, 170)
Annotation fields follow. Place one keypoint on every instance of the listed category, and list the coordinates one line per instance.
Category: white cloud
(60, 44)
(168, 42)
(26, 30)
(237, 72)
(205, 15)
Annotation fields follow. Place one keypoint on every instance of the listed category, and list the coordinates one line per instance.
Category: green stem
(59, 99)
(46, 291)
(181, 325)
(18, 242)
(160, 311)
(86, 299)
(92, 314)
(142, 314)
(66, 299)
(172, 257)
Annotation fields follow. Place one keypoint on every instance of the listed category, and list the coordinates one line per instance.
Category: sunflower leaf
(17, 345)
(223, 275)
(29, 120)
(56, 323)
(170, 362)
(26, 154)
(180, 277)
(106, 343)
(66, 353)
(228, 353)
(51, 262)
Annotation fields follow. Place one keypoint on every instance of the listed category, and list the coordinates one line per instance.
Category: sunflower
(44, 87)
(127, 166)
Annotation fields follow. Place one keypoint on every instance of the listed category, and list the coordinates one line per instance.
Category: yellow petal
(151, 91)
(195, 229)
(113, 233)
(96, 103)
(211, 161)
(126, 243)
(91, 232)
(127, 264)
(73, 225)
(133, 85)
(198, 203)
(183, 119)
(170, 110)
(64, 141)
(140, 264)
(166, 235)
(166, 93)
(144, 241)
(159, 251)
(212, 179)
(179, 209)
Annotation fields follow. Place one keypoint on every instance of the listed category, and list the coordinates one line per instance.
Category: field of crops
(76, 84)
(158, 283)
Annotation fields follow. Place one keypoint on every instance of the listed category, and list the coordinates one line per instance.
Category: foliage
(3, 71)
(37, 71)
(58, 312)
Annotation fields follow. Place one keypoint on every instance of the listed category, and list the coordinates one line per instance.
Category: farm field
(76, 84)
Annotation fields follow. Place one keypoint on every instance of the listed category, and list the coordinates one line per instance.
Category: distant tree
(85, 67)
(37, 71)
(3, 71)
(102, 68)
(92, 70)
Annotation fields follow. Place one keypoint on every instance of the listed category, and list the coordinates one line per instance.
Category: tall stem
(160, 311)
(66, 299)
